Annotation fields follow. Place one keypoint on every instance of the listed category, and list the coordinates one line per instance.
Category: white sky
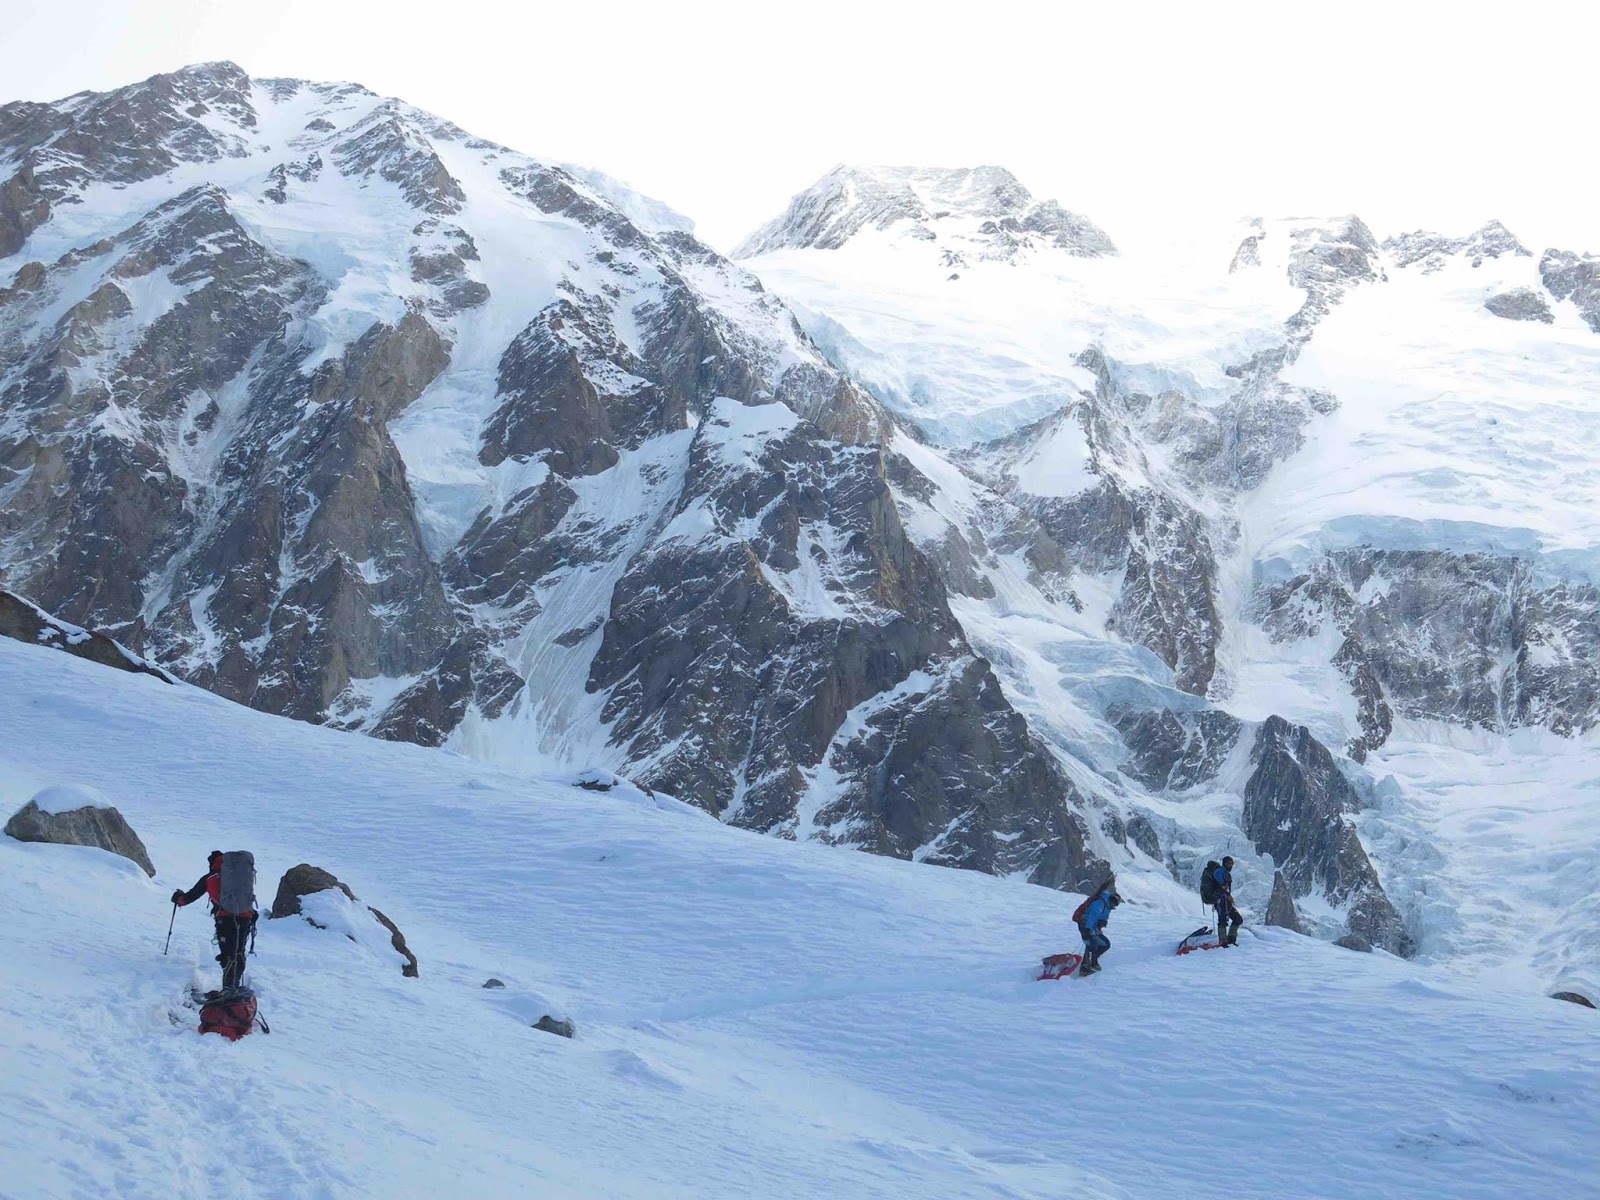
(1148, 117)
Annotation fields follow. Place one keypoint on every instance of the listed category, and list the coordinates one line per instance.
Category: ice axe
(170, 924)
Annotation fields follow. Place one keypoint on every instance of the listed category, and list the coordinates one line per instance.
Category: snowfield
(754, 1018)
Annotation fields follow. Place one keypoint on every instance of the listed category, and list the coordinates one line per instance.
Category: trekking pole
(170, 924)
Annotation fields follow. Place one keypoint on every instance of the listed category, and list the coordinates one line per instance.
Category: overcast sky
(1145, 117)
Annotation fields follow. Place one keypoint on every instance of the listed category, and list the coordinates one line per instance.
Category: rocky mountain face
(497, 455)
(1432, 252)
(1297, 807)
(1574, 277)
(1471, 638)
(336, 410)
(1192, 582)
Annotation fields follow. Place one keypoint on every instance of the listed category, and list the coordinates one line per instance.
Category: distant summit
(986, 204)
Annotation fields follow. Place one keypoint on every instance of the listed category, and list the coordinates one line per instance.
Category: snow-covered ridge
(983, 211)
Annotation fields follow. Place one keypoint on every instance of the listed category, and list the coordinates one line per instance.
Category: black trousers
(1228, 922)
(1095, 943)
(233, 936)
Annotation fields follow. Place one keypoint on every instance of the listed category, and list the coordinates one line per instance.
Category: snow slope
(1456, 429)
(755, 1017)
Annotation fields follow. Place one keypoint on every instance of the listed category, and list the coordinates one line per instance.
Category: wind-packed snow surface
(754, 1017)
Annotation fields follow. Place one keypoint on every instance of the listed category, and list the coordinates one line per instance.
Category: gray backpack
(236, 890)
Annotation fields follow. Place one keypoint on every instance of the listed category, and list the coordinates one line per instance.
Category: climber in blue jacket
(1091, 926)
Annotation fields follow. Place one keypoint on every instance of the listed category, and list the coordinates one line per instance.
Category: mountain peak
(1490, 240)
(851, 199)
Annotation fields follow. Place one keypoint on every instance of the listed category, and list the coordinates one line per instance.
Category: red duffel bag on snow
(232, 1016)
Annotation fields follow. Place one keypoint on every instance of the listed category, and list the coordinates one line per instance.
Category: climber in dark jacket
(233, 929)
(1091, 928)
(1228, 918)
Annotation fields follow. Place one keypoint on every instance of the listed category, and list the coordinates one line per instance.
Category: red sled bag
(1059, 966)
(232, 1017)
(1204, 938)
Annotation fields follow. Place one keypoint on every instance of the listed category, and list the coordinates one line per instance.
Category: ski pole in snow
(170, 924)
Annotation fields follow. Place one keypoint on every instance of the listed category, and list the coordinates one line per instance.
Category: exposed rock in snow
(1574, 277)
(1326, 261)
(197, 115)
(1431, 250)
(300, 881)
(76, 816)
(397, 940)
(1573, 998)
(1280, 908)
(31, 624)
(1173, 751)
(1249, 252)
(1354, 941)
(1520, 304)
(1296, 808)
(1472, 638)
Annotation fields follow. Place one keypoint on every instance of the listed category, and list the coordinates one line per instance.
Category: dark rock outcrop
(43, 819)
(494, 983)
(1327, 261)
(28, 623)
(398, 941)
(1174, 751)
(1165, 540)
(1575, 277)
(1520, 304)
(1475, 639)
(560, 1026)
(1354, 941)
(1297, 806)
(877, 702)
(1281, 911)
(1573, 998)
(299, 881)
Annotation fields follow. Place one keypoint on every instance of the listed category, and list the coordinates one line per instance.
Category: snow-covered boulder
(72, 815)
(530, 1007)
(300, 881)
(326, 903)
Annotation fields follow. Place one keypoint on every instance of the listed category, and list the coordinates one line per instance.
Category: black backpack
(236, 888)
(1208, 883)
